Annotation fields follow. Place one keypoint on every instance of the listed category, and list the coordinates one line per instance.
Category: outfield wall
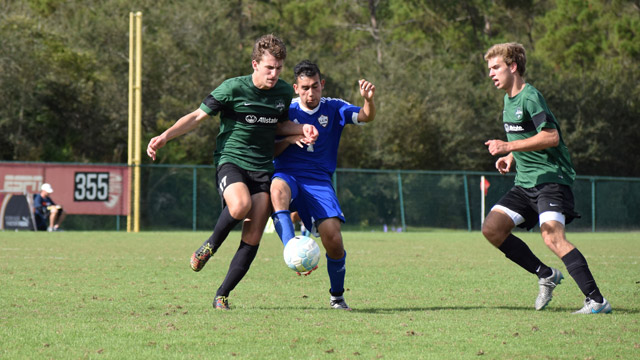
(80, 188)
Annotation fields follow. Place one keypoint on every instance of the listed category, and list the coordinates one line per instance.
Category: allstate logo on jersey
(280, 104)
(250, 119)
(323, 120)
(513, 128)
(518, 113)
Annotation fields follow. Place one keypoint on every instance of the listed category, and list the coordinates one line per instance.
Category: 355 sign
(91, 186)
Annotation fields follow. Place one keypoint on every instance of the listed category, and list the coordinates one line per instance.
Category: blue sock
(337, 271)
(284, 226)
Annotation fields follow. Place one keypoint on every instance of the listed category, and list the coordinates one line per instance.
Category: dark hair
(269, 44)
(510, 53)
(306, 68)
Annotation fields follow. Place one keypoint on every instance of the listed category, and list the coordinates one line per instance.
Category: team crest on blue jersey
(280, 104)
(518, 113)
(323, 120)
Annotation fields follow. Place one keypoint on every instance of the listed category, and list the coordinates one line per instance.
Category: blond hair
(510, 53)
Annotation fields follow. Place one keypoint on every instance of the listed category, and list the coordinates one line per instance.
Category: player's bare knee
(240, 209)
(336, 241)
(492, 233)
(279, 198)
(487, 231)
(497, 226)
(554, 239)
(495, 234)
(333, 245)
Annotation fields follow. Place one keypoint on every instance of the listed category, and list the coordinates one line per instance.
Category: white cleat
(337, 302)
(592, 307)
(546, 288)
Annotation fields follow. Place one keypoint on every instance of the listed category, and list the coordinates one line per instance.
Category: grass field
(428, 295)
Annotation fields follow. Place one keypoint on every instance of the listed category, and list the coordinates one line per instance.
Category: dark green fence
(184, 197)
(452, 199)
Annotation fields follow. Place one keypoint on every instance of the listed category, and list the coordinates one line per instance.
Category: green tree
(591, 78)
(51, 90)
(64, 73)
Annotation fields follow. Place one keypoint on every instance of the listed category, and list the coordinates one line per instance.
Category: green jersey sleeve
(536, 110)
(217, 100)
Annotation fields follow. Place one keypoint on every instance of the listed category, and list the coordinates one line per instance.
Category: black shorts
(530, 203)
(229, 173)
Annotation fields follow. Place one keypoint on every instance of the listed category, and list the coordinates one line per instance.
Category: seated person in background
(49, 215)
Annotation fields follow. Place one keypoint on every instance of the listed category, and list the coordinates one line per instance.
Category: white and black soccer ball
(302, 254)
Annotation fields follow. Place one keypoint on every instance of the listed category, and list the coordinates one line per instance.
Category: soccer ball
(301, 254)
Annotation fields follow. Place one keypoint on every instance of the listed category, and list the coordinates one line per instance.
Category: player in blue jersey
(303, 173)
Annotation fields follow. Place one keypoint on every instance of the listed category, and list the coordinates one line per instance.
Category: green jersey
(525, 115)
(248, 121)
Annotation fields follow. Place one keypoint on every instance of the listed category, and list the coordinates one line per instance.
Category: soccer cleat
(200, 257)
(546, 288)
(337, 302)
(221, 303)
(592, 307)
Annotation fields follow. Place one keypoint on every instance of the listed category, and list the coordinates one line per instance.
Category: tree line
(64, 74)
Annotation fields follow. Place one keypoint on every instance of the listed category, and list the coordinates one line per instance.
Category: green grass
(429, 295)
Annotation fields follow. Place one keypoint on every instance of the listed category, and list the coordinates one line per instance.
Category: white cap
(47, 187)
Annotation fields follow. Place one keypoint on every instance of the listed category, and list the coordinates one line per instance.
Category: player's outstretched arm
(288, 127)
(182, 126)
(283, 143)
(367, 91)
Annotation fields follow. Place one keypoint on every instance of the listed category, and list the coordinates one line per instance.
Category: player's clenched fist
(367, 89)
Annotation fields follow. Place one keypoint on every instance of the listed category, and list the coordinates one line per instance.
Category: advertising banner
(79, 189)
(16, 212)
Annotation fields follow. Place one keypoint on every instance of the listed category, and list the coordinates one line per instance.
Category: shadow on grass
(564, 310)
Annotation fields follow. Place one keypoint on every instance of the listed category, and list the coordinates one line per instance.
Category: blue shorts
(313, 198)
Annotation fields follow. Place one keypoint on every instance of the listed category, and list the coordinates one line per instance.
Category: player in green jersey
(252, 109)
(542, 191)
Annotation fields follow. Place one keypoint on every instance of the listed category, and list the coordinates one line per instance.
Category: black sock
(225, 224)
(238, 268)
(517, 251)
(579, 270)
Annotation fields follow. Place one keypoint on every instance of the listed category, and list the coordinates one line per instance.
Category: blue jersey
(329, 117)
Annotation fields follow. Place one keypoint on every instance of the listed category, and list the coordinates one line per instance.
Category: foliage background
(64, 74)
